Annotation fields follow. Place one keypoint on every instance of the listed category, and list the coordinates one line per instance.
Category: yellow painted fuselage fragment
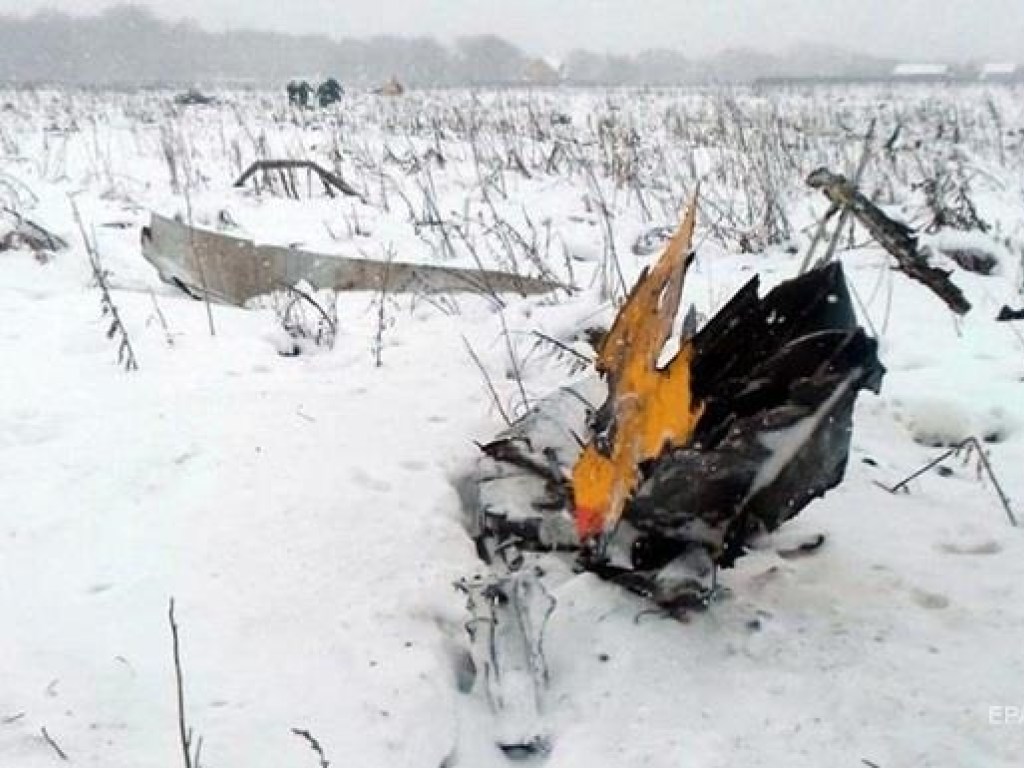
(651, 408)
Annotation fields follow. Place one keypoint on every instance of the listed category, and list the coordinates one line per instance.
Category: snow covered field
(302, 510)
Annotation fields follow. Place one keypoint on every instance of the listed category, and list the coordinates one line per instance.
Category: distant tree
(329, 92)
(425, 61)
(487, 59)
(597, 68)
(299, 92)
(193, 97)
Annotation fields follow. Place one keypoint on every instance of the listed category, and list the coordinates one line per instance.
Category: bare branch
(184, 732)
(56, 747)
(313, 745)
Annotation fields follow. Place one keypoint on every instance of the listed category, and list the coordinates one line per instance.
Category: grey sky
(908, 28)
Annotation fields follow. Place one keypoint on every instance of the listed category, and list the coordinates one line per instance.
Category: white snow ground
(301, 512)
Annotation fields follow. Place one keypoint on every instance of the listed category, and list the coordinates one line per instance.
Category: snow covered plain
(302, 510)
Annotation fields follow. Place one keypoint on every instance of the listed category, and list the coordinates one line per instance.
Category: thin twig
(564, 347)
(163, 320)
(313, 745)
(487, 379)
(378, 343)
(56, 747)
(199, 261)
(970, 443)
(902, 484)
(516, 372)
(983, 458)
(184, 733)
(332, 326)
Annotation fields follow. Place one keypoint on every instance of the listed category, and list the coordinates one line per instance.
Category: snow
(920, 70)
(303, 511)
(998, 69)
(936, 422)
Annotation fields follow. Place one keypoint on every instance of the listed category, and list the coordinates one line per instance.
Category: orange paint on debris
(651, 407)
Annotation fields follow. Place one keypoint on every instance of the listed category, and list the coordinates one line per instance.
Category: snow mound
(940, 422)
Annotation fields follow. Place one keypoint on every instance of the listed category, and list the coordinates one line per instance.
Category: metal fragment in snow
(234, 270)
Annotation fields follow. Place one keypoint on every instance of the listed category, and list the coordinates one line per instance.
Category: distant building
(1001, 72)
(922, 73)
(811, 81)
(391, 88)
(542, 72)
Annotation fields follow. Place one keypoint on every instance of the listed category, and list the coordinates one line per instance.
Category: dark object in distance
(331, 181)
(1006, 314)
(299, 92)
(193, 97)
(329, 92)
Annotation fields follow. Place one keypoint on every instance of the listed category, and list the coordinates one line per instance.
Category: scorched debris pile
(685, 463)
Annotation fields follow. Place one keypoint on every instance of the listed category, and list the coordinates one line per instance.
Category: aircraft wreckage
(682, 465)
(234, 270)
(654, 476)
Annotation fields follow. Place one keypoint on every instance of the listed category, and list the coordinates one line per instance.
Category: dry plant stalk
(125, 353)
(314, 745)
(190, 752)
(970, 446)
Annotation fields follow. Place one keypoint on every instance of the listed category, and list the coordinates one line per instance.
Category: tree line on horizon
(130, 45)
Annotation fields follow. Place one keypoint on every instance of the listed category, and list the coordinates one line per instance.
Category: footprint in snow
(367, 480)
(29, 428)
(987, 547)
(932, 601)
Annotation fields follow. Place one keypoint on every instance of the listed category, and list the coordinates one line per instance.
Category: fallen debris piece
(683, 468)
(1006, 314)
(506, 636)
(776, 379)
(522, 489)
(897, 238)
(647, 408)
(747, 424)
(234, 270)
(973, 260)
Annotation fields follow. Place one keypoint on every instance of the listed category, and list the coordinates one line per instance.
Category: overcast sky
(908, 28)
